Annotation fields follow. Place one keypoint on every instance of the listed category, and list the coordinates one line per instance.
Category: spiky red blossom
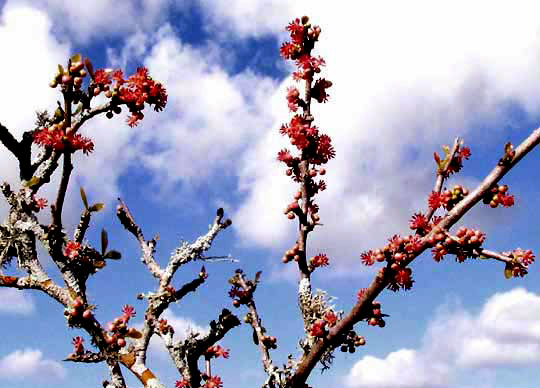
(102, 77)
(320, 260)
(436, 200)
(419, 221)
(518, 270)
(413, 245)
(285, 156)
(506, 200)
(213, 382)
(297, 31)
(129, 312)
(58, 140)
(331, 318)
(288, 50)
(217, 351)
(41, 203)
(318, 328)
(404, 278)
(78, 342)
(465, 152)
(368, 258)
(72, 249)
(182, 384)
(526, 257)
(437, 254)
(325, 150)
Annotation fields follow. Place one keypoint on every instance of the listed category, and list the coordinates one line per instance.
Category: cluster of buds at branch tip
(119, 331)
(497, 195)
(78, 312)
(351, 341)
(463, 245)
(376, 315)
(448, 198)
(292, 254)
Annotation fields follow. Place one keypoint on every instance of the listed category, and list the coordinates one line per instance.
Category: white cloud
(29, 363)
(14, 301)
(84, 22)
(504, 333)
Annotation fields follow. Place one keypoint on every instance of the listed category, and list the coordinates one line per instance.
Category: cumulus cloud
(14, 301)
(29, 364)
(504, 333)
(84, 22)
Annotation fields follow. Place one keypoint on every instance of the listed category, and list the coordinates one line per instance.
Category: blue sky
(407, 78)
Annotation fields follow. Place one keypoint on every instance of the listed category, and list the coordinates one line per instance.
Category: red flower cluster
(216, 351)
(72, 249)
(182, 384)
(61, 140)
(129, 312)
(137, 90)
(214, 382)
(320, 260)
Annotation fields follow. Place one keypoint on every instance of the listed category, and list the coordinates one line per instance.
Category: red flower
(368, 258)
(41, 203)
(506, 200)
(318, 328)
(297, 31)
(217, 351)
(58, 140)
(436, 200)
(465, 152)
(129, 312)
(72, 249)
(330, 318)
(182, 384)
(404, 279)
(213, 382)
(418, 221)
(320, 260)
(102, 77)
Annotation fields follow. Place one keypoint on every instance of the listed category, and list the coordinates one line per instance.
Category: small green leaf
(104, 241)
(96, 207)
(113, 255)
(61, 70)
(508, 148)
(508, 271)
(32, 182)
(84, 199)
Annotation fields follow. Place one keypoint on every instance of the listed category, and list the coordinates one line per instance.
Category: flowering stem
(441, 174)
(383, 277)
